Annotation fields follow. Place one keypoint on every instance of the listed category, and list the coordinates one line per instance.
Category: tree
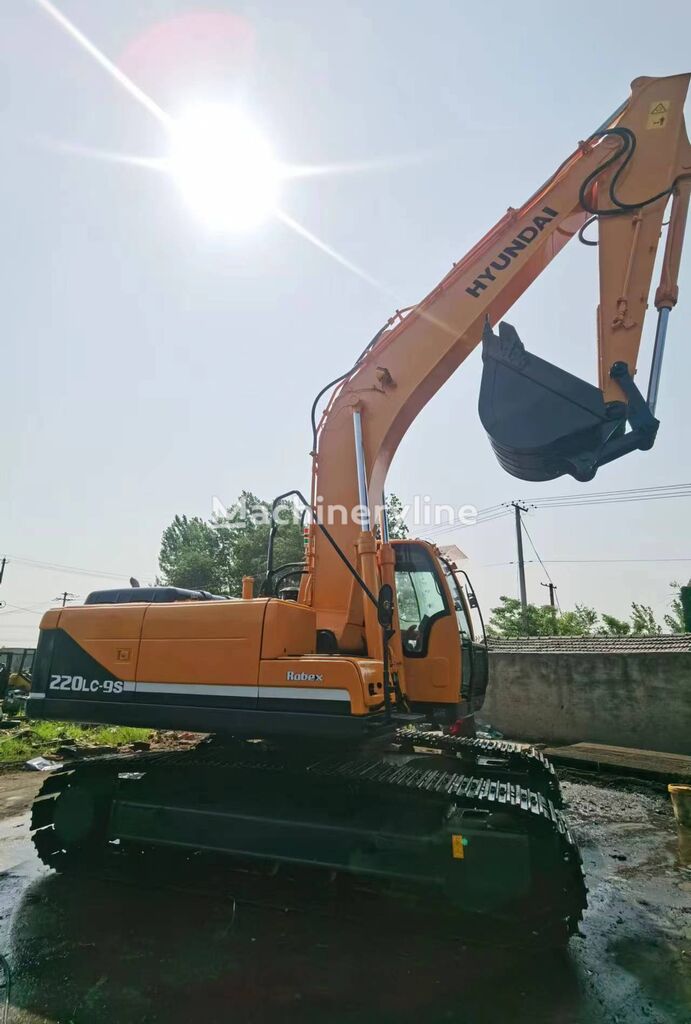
(539, 620)
(215, 556)
(675, 620)
(582, 621)
(247, 538)
(192, 556)
(643, 620)
(394, 519)
(394, 516)
(612, 626)
(508, 620)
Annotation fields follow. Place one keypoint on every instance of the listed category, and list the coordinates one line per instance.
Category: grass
(41, 738)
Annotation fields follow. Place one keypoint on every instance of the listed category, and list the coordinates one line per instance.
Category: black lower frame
(232, 720)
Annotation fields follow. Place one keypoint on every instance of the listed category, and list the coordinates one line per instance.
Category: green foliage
(643, 620)
(245, 546)
(582, 621)
(508, 620)
(614, 626)
(394, 515)
(215, 556)
(35, 739)
(192, 556)
(674, 620)
(685, 602)
(540, 620)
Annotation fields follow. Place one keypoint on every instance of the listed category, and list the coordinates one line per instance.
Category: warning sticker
(658, 114)
(458, 844)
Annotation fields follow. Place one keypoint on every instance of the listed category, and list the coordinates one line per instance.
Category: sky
(151, 363)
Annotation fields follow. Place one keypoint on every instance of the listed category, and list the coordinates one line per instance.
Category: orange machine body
(235, 652)
(257, 655)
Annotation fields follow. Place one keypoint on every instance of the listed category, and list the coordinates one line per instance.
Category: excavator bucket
(543, 422)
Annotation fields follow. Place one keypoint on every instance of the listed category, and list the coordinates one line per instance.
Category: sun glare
(222, 164)
(224, 167)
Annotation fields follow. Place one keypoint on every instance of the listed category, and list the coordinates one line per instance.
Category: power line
(31, 609)
(493, 513)
(532, 544)
(623, 495)
(552, 584)
(619, 491)
(613, 497)
(586, 561)
(79, 570)
(610, 501)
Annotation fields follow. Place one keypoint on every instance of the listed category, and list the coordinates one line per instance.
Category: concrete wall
(624, 699)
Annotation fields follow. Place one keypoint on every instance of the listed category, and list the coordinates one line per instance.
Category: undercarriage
(452, 825)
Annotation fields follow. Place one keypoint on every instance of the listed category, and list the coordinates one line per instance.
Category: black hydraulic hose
(289, 565)
(337, 380)
(274, 527)
(282, 573)
(351, 568)
(625, 154)
(582, 230)
(272, 536)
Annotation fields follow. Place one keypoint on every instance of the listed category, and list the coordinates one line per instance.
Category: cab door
(474, 657)
(429, 634)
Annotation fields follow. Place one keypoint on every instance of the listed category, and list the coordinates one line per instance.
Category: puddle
(92, 952)
(662, 968)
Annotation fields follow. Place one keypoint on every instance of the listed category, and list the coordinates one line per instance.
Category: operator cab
(430, 590)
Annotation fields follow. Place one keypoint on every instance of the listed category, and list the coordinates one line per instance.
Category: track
(494, 758)
(391, 820)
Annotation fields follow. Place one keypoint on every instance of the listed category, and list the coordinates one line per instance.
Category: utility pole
(552, 588)
(3, 563)
(65, 597)
(518, 508)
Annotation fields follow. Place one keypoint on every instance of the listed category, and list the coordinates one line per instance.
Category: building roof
(665, 643)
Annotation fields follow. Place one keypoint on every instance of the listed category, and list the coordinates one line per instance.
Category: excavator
(341, 711)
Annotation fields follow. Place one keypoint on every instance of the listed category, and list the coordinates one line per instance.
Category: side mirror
(385, 606)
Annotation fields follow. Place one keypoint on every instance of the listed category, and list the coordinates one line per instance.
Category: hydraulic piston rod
(658, 354)
(361, 469)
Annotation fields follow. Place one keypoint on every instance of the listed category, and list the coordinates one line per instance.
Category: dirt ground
(85, 951)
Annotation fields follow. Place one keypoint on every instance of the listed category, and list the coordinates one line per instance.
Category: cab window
(420, 597)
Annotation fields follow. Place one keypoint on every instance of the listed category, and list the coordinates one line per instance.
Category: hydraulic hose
(337, 380)
(625, 151)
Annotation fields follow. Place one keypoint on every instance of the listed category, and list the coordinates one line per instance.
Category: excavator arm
(542, 421)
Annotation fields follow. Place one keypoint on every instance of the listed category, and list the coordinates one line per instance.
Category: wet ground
(85, 951)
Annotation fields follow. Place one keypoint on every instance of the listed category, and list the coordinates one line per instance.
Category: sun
(224, 167)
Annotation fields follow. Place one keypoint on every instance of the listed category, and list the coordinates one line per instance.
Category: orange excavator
(342, 720)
